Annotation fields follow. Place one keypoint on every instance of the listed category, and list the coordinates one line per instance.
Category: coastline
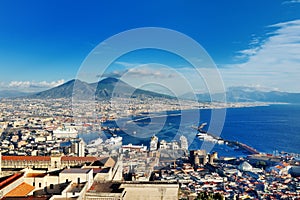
(210, 106)
(244, 128)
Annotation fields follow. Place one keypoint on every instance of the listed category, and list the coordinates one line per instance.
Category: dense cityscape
(42, 157)
(149, 100)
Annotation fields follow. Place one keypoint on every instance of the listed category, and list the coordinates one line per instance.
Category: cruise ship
(63, 132)
(207, 137)
(204, 136)
(95, 143)
(114, 141)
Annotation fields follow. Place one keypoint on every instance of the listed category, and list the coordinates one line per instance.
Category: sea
(268, 129)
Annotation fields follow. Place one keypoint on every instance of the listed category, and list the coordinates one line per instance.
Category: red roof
(39, 175)
(82, 159)
(27, 158)
(22, 190)
(10, 179)
(48, 158)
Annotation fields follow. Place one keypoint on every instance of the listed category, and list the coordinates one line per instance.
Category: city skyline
(252, 43)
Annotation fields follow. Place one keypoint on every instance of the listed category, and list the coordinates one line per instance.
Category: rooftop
(25, 198)
(75, 171)
(85, 159)
(20, 191)
(35, 175)
(106, 187)
(75, 187)
(27, 158)
(5, 181)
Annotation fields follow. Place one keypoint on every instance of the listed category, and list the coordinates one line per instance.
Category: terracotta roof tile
(48, 158)
(26, 158)
(83, 159)
(22, 190)
(38, 175)
(9, 180)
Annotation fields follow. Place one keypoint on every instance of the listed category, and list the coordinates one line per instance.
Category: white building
(163, 144)
(65, 132)
(76, 175)
(78, 147)
(184, 142)
(153, 143)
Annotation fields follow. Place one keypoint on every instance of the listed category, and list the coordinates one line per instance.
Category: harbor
(205, 136)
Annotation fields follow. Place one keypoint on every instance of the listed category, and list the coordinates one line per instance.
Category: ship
(95, 143)
(114, 141)
(65, 132)
(205, 137)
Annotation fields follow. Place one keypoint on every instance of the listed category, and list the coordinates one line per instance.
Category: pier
(247, 148)
(240, 145)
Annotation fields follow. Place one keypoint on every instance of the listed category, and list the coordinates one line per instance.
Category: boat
(220, 141)
(63, 132)
(114, 141)
(95, 143)
(206, 137)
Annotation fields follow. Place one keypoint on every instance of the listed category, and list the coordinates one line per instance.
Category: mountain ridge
(105, 89)
(102, 89)
(248, 94)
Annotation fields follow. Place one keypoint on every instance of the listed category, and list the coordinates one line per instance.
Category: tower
(77, 147)
(153, 143)
(183, 143)
(198, 157)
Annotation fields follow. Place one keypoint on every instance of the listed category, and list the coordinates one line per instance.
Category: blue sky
(43, 43)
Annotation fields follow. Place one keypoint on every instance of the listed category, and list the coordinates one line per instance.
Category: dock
(242, 146)
(247, 148)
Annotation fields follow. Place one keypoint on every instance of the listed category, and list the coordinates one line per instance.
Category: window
(51, 186)
(40, 184)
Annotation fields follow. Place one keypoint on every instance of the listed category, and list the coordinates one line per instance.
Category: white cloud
(141, 70)
(34, 84)
(247, 52)
(146, 70)
(271, 62)
(115, 74)
(275, 63)
(291, 1)
(255, 40)
(127, 64)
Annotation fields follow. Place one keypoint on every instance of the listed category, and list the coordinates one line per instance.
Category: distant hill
(249, 94)
(109, 86)
(103, 89)
(64, 91)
